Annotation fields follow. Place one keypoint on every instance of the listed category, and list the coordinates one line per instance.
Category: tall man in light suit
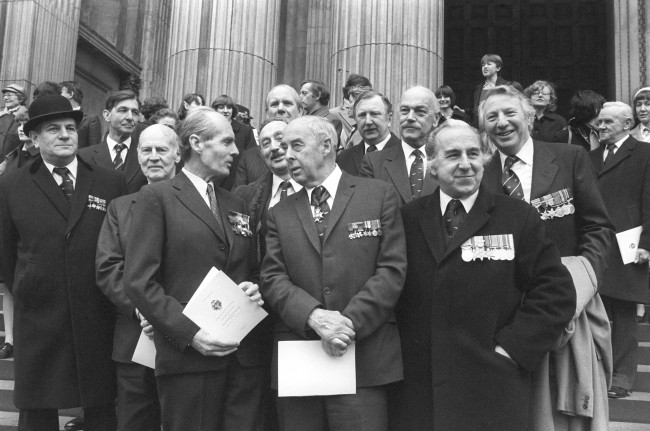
(117, 151)
(623, 167)
(181, 229)
(63, 324)
(403, 165)
(333, 271)
(137, 398)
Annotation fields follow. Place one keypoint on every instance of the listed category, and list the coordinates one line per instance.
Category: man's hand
(642, 256)
(335, 347)
(253, 292)
(147, 328)
(209, 345)
(332, 326)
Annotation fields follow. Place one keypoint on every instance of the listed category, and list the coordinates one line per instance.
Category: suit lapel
(623, 153)
(303, 209)
(544, 171)
(395, 165)
(82, 189)
(102, 155)
(189, 196)
(225, 201)
(492, 175)
(343, 194)
(131, 165)
(357, 155)
(431, 224)
(47, 184)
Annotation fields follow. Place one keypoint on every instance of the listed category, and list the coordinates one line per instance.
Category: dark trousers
(224, 400)
(138, 408)
(95, 419)
(625, 347)
(364, 411)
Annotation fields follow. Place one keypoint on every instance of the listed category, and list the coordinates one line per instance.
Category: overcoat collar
(623, 153)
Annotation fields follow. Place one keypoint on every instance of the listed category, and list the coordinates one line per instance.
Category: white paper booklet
(304, 369)
(145, 352)
(221, 308)
(628, 243)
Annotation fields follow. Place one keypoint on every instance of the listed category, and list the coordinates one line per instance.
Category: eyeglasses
(541, 93)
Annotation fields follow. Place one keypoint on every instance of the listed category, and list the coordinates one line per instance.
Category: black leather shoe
(76, 424)
(617, 392)
(6, 351)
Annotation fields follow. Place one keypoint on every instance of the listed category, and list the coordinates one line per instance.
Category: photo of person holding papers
(181, 229)
(334, 269)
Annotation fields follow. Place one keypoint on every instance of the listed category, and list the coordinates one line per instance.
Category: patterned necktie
(67, 186)
(417, 175)
(118, 163)
(611, 149)
(214, 206)
(371, 148)
(510, 180)
(319, 198)
(454, 217)
(284, 189)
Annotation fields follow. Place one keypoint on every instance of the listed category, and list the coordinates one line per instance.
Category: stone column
(223, 47)
(319, 43)
(630, 47)
(155, 41)
(39, 41)
(395, 43)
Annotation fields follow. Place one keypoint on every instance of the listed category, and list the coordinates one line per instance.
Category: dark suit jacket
(9, 139)
(453, 313)
(244, 139)
(90, 130)
(477, 97)
(390, 165)
(16, 159)
(100, 155)
(174, 242)
(109, 261)
(63, 324)
(587, 232)
(625, 187)
(250, 167)
(362, 278)
(350, 159)
(257, 196)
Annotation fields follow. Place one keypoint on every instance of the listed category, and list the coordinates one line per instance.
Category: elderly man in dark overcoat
(486, 297)
(63, 324)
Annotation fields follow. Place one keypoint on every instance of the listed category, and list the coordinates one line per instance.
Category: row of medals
(557, 204)
(491, 247)
(364, 228)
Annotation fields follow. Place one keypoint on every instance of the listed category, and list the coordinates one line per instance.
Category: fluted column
(39, 41)
(155, 41)
(631, 47)
(319, 42)
(395, 43)
(223, 47)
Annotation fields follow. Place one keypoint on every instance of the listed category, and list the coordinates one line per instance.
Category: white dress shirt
(523, 167)
(111, 147)
(200, 184)
(72, 167)
(618, 145)
(468, 202)
(380, 146)
(410, 158)
(276, 192)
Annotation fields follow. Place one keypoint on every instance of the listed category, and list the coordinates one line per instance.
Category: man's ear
(195, 143)
(107, 115)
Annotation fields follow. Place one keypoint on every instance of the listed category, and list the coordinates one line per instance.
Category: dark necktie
(118, 163)
(67, 186)
(214, 206)
(611, 148)
(417, 175)
(371, 148)
(284, 189)
(321, 209)
(454, 216)
(510, 180)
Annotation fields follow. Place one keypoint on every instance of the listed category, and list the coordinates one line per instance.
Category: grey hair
(623, 109)
(449, 124)
(320, 127)
(170, 136)
(294, 95)
(510, 91)
(198, 123)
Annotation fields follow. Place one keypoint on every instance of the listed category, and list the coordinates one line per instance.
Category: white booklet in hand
(145, 352)
(221, 308)
(628, 243)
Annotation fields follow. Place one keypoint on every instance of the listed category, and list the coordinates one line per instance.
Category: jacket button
(327, 290)
(222, 247)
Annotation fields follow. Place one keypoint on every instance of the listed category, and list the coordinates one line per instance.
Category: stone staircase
(633, 413)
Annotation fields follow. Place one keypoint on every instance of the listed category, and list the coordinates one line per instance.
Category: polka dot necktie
(416, 177)
(454, 217)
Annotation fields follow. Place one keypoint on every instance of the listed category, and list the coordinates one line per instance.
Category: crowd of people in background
(470, 256)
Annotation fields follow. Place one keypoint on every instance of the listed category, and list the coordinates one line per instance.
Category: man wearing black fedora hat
(63, 324)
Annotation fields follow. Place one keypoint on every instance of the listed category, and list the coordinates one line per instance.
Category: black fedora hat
(50, 107)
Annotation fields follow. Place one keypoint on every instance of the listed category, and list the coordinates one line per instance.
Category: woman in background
(547, 125)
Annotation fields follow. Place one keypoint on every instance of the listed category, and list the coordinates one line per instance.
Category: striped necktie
(510, 180)
(118, 162)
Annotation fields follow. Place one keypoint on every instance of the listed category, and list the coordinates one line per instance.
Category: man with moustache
(117, 151)
(182, 228)
(63, 324)
(373, 113)
(333, 271)
(623, 168)
(282, 102)
(403, 165)
(486, 297)
(137, 398)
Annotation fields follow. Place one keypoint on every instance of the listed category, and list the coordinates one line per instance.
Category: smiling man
(403, 165)
(485, 297)
(117, 151)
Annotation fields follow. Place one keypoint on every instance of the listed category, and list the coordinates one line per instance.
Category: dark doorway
(562, 41)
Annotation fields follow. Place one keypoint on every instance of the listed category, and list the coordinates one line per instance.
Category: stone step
(9, 421)
(642, 382)
(7, 369)
(620, 426)
(635, 409)
(643, 331)
(644, 352)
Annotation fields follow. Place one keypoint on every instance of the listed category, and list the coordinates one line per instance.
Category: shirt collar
(278, 180)
(467, 202)
(380, 146)
(200, 184)
(72, 167)
(331, 183)
(408, 150)
(112, 143)
(525, 153)
(620, 142)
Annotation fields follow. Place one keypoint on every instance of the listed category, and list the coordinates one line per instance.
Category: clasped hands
(642, 256)
(335, 330)
(212, 345)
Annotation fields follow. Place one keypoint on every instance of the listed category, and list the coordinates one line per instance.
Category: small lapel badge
(489, 247)
(364, 228)
(554, 205)
(95, 203)
(240, 223)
